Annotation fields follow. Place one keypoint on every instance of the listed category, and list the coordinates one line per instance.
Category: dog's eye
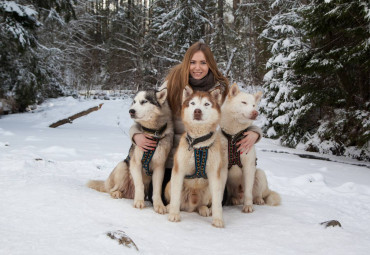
(206, 104)
(192, 103)
(134, 102)
(144, 101)
(244, 102)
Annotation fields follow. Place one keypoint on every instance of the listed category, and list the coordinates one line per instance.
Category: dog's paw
(235, 201)
(247, 209)
(116, 194)
(168, 208)
(218, 223)
(259, 201)
(174, 217)
(204, 211)
(161, 209)
(139, 204)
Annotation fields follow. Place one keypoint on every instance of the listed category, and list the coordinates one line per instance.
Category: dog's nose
(132, 111)
(254, 115)
(197, 111)
(198, 114)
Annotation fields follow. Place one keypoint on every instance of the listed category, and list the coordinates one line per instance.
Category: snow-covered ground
(45, 207)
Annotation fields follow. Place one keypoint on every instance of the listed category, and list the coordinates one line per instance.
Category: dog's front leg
(248, 174)
(137, 177)
(177, 180)
(157, 180)
(217, 181)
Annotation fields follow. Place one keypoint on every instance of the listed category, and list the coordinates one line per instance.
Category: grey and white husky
(131, 177)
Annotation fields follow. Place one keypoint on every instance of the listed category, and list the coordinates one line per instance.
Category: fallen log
(70, 119)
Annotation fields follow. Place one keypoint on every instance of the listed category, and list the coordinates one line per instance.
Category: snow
(47, 209)
(11, 6)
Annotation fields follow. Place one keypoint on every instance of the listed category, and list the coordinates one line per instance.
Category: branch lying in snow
(75, 116)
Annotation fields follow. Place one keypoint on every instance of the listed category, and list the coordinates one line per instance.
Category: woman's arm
(140, 139)
(252, 137)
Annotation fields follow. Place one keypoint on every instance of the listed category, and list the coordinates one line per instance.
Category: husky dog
(131, 177)
(199, 173)
(244, 183)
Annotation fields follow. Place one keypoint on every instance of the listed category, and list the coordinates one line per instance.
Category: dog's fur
(261, 192)
(149, 109)
(244, 184)
(197, 194)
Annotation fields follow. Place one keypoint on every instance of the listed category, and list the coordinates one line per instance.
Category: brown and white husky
(199, 173)
(245, 184)
(131, 177)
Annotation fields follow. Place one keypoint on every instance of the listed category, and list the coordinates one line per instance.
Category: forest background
(311, 57)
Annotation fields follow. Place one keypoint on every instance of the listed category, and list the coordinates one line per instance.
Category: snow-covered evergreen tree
(157, 53)
(305, 104)
(25, 61)
(248, 52)
(338, 63)
(285, 110)
(18, 67)
(185, 24)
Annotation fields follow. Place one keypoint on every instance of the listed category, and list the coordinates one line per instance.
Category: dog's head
(148, 105)
(201, 108)
(242, 106)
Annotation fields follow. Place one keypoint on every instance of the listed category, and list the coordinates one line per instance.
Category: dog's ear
(258, 96)
(217, 96)
(234, 90)
(161, 96)
(186, 93)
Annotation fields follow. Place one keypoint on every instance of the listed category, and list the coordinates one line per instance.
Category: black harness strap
(154, 132)
(233, 154)
(191, 141)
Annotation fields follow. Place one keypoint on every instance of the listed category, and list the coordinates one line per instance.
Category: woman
(199, 70)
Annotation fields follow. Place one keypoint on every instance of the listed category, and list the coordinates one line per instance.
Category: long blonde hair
(178, 76)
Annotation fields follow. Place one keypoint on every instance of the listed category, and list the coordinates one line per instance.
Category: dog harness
(200, 156)
(233, 154)
(148, 155)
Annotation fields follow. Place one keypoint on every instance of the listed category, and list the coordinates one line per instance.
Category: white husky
(244, 184)
(198, 163)
(131, 177)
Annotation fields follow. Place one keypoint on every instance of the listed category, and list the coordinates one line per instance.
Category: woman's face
(198, 66)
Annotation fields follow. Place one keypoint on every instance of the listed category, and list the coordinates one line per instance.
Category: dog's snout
(254, 115)
(132, 111)
(198, 114)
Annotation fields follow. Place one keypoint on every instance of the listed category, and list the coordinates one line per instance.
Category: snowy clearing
(47, 209)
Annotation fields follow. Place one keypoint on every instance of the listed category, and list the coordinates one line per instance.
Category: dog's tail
(97, 185)
(273, 198)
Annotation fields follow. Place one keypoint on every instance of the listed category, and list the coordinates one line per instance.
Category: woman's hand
(144, 142)
(245, 144)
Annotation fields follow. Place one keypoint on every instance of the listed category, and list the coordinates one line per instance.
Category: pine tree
(18, 24)
(338, 63)
(249, 55)
(316, 48)
(285, 110)
(25, 67)
(184, 25)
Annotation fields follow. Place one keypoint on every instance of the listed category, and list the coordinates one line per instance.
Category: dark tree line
(311, 57)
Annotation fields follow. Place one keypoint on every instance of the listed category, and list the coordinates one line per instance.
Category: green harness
(200, 156)
(148, 155)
